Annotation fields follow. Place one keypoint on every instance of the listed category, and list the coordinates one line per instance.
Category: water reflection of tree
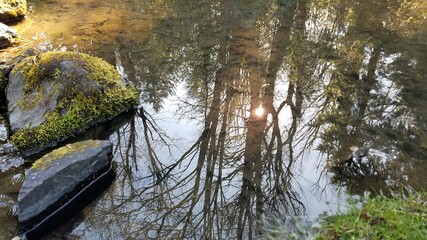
(375, 76)
(240, 167)
(354, 79)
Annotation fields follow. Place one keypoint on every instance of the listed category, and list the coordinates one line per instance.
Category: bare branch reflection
(265, 82)
(240, 166)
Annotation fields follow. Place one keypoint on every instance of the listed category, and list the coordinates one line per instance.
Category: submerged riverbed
(246, 107)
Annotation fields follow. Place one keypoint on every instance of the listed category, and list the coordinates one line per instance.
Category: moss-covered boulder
(56, 95)
(12, 10)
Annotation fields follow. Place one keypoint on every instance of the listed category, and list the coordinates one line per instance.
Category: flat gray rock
(60, 173)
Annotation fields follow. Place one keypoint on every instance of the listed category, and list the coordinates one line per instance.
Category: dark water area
(248, 109)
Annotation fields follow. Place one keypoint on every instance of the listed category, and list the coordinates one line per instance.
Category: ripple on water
(9, 157)
(12, 175)
(8, 203)
(8, 219)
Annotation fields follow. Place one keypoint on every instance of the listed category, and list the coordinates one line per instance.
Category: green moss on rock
(99, 70)
(79, 107)
(3, 78)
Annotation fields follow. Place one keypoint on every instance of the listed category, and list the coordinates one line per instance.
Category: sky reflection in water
(197, 160)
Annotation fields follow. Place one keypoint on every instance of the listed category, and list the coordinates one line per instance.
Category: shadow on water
(242, 102)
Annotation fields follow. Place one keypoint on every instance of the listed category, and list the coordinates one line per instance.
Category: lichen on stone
(32, 68)
(71, 150)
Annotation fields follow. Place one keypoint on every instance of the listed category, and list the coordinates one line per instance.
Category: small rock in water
(359, 152)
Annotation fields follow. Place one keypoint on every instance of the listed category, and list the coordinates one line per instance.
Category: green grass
(402, 216)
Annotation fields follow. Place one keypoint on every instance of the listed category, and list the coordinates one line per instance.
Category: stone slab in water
(59, 174)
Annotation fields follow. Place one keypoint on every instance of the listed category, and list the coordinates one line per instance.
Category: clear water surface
(246, 109)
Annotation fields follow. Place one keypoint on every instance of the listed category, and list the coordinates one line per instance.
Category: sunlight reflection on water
(334, 87)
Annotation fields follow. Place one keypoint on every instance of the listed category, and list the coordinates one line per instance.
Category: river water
(247, 108)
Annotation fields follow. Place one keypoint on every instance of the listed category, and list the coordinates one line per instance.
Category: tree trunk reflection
(319, 81)
(238, 146)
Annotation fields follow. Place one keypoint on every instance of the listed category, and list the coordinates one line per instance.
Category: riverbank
(399, 216)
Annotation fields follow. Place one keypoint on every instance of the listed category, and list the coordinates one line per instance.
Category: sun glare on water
(259, 111)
